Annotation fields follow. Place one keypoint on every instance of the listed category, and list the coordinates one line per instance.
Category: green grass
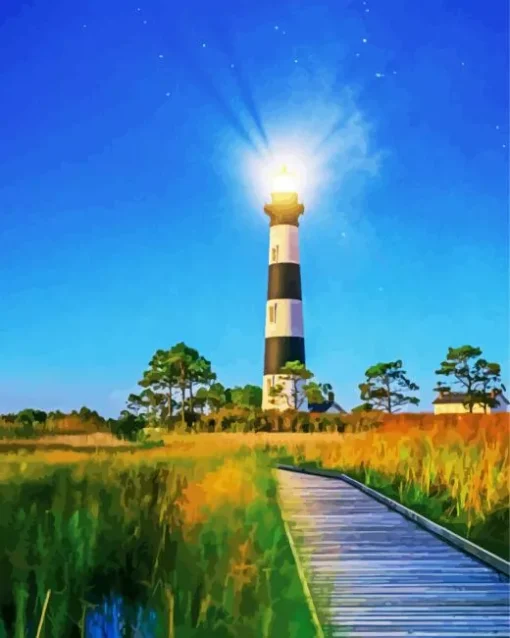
(136, 530)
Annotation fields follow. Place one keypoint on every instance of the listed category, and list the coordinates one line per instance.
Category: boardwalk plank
(374, 573)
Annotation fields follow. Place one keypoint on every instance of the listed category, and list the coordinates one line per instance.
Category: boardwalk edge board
(304, 581)
(483, 555)
(301, 574)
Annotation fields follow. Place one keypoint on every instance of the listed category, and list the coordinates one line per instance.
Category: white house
(453, 403)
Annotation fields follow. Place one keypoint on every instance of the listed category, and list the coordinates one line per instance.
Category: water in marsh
(116, 619)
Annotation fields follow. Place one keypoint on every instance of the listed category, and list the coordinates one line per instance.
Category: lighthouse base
(287, 399)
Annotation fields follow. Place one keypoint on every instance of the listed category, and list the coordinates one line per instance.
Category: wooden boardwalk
(373, 573)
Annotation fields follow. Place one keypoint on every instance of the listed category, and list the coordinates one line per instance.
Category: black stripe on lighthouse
(284, 281)
(280, 350)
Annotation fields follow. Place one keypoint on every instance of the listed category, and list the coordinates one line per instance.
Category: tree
(316, 392)
(181, 369)
(302, 388)
(149, 400)
(386, 388)
(200, 373)
(86, 414)
(248, 396)
(191, 368)
(295, 374)
(56, 414)
(31, 417)
(127, 425)
(162, 376)
(479, 380)
(201, 399)
(214, 397)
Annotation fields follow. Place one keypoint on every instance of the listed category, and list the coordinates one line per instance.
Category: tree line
(179, 388)
(182, 380)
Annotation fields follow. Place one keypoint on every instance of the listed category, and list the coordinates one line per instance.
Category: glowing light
(284, 182)
(297, 148)
(280, 173)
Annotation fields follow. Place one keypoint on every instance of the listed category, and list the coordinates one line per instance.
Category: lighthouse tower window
(274, 254)
(272, 313)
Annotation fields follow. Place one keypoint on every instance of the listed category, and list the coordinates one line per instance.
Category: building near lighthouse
(329, 406)
(284, 330)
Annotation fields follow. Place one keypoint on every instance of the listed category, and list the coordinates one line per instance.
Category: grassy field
(187, 539)
(453, 470)
(183, 541)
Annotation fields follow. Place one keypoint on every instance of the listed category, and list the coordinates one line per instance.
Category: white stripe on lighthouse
(284, 318)
(283, 244)
(286, 399)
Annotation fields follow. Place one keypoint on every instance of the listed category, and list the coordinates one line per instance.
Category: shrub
(128, 426)
(239, 419)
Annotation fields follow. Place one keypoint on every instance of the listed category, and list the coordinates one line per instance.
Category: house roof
(459, 397)
(324, 407)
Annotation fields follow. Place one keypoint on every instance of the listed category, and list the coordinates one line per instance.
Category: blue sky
(131, 214)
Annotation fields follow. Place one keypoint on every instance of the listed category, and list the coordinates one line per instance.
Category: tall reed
(198, 542)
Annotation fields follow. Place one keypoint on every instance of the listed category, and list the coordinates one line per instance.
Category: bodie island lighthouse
(284, 334)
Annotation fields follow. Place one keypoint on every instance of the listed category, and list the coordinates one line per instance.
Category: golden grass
(464, 457)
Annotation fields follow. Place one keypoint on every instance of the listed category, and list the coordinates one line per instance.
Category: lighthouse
(284, 333)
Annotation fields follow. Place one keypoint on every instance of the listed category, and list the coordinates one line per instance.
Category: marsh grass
(188, 538)
(453, 469)
(457, 476)
(197, 543)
